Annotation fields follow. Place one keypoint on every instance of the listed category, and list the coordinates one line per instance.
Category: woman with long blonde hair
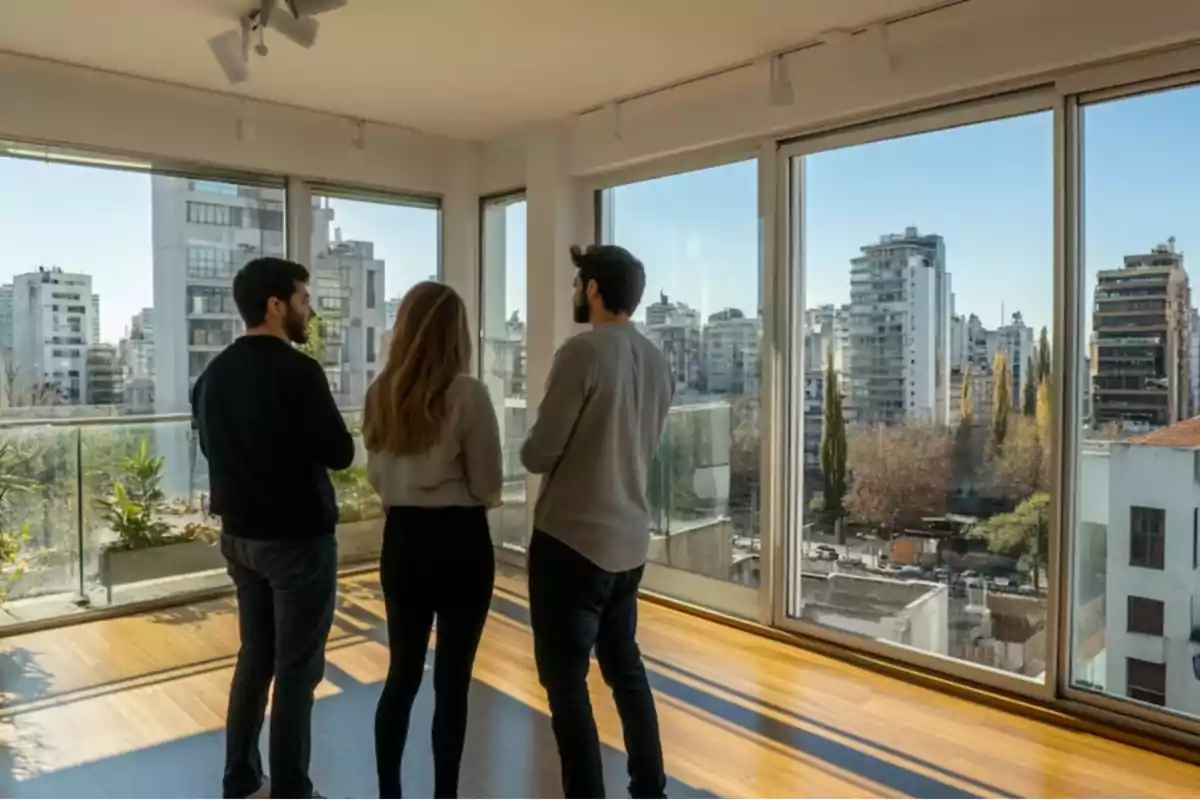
(433, 454)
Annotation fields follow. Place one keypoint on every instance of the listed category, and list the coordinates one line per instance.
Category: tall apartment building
(1194, 363)
(52, 312)
(347, 291)
(826, 334)
(6, 317)
(729, 353)
(1141, 324)
(900, 311)
(95, 327)
(105, 382)
(136, 354)
(675, 329)
(1017, 340)
(204, 232)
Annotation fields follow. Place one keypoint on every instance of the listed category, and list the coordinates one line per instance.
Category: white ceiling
(470, 68)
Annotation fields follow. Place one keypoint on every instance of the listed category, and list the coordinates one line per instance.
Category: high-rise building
(136, 355)
(1016, 340)
(390, 311)
(6, 317)
(900, 311)
(203, 233)
(1142, 342)
(105, 382)
(52, 313)
(1194, 363)
(347, 291)
(729, 353)
(675, 329)
(94, 330)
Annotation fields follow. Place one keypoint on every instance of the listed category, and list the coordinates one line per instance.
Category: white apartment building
(6, 317)
(900, 311)
(52, 318)
(95, 329)
(729, 352)
(675, 329)
(1142, 495)
(347, 291)
(1018, 341)
(203, 233)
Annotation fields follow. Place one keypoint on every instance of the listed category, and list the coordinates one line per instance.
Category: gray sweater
(597, 430)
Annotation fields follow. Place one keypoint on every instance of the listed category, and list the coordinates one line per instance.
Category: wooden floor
(133, 707)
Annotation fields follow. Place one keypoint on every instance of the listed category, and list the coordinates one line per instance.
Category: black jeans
(575, 606)
(285, 596)
(437, 562)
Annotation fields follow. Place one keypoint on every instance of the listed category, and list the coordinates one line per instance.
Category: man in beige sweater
(596, 433)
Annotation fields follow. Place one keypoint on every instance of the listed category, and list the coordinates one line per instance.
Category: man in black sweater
(271, 432)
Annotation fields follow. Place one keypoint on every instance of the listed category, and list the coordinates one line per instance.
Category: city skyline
(697, 232)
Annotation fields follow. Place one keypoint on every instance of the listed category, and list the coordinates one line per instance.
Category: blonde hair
(405, 408)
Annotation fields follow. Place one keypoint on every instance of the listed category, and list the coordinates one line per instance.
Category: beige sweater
(465, 467)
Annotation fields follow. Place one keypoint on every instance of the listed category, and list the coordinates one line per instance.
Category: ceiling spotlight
(780, 89)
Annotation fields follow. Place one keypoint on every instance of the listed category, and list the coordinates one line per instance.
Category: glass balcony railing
(112, 511)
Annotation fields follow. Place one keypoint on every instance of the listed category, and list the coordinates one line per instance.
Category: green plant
(12, 564)
(133, 509)
(356, 498)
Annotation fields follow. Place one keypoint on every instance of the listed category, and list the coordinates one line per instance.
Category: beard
(582, 314)
(296, 327)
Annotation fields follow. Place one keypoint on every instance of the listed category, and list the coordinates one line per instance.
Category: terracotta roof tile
(1182, 434)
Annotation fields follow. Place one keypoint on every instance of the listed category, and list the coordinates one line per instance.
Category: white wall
(56, 103)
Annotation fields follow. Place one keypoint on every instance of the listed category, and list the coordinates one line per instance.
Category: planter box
(119, 567)
(357, 542)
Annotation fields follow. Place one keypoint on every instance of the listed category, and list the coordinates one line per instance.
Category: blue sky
(986, 188)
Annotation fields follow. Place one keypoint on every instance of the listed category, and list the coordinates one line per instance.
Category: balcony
(74, 552)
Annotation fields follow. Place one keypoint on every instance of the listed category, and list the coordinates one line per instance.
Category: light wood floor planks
(133, 707)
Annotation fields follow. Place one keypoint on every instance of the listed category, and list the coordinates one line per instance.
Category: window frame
(596, 190)
(787, 542)
(1152, 556)
(1132, 605)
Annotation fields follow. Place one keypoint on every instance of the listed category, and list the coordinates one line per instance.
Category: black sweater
(271, 432)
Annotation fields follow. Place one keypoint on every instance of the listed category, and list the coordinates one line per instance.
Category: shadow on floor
(510, 753)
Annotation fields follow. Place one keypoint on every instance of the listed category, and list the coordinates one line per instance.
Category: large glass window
(361, 248)
(697, 234)
(502, 352)
(1135, 608)
(924, 424)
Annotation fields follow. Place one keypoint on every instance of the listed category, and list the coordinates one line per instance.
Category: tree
(898, 474)
(315, 346)
(833, 445)
(1022, 534)
(1043, 362)
(1001, 399)
(963, 458)
(1029, 393)
(1020, 468)
(1042, 415)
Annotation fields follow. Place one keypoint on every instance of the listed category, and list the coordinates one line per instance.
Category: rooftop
(1185, 433)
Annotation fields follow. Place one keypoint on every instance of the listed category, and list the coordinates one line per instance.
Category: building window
(1145, 616)
(370, 345)
(370, 288)
(1146, 681)
(1147, 530)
